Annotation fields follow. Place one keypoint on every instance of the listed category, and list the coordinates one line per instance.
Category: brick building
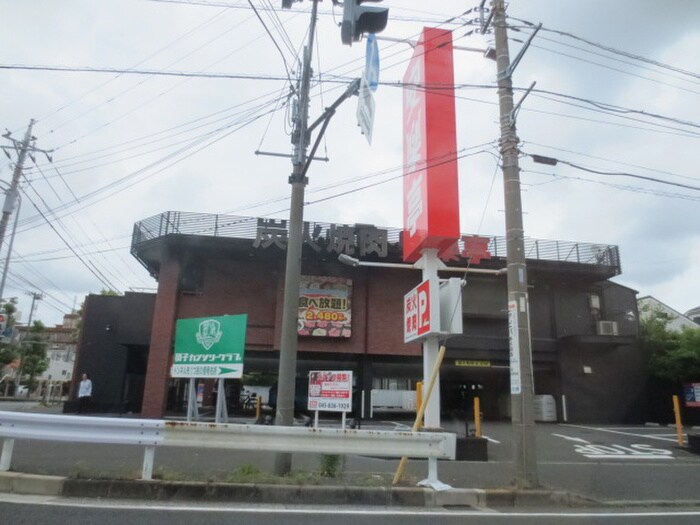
(584, 344)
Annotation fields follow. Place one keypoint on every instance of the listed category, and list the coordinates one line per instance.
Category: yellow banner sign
(473, 364)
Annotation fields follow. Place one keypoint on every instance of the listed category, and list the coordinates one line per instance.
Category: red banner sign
(430, 191)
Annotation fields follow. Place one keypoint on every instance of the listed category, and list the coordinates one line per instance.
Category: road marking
(645, 436)
(596, 451)
(578, 440)
(328, 511)
(397, 426)
(623, 452)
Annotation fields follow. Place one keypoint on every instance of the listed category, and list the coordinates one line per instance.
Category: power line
(614, 59)
(634, 189)
(456, 157)
(244, 5)
(639, 166)
(637, 75)
(97, 195)
(274, 41)
(144, 60)
(21, 281)
(92, 270)
(62, 257)
(613, 50)
(540, 159)
(435, 161)
(154, 72)
(188, 126)
(150, 100)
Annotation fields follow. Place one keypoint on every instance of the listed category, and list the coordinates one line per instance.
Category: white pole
(148, 457)
(342, 421)
(192, 410)
(431, 345)
(221, 411)
(6, 459)
(316, 419)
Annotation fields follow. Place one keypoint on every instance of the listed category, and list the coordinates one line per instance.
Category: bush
(331, 465)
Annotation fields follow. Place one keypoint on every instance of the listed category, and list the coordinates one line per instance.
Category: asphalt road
(20, 510)
(607, 463)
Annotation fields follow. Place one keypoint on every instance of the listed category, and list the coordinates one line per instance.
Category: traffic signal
(359, 19)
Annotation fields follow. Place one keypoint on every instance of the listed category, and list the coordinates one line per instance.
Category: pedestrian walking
(84, 394)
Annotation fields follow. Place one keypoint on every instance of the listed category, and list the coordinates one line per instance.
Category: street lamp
(354, 262)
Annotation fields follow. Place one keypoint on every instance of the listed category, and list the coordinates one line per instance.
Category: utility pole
(11, 195)
(22, 148)
(521, 375)
(36, 296)
(290, 310)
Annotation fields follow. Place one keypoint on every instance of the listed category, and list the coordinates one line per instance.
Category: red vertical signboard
(417, 313)
(430, 188)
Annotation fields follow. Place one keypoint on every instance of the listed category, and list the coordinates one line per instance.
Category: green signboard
(210, 346)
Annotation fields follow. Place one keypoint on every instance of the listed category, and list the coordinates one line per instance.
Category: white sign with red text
(330, 391)
(417, 313)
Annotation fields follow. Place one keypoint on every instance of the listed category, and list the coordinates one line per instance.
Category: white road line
(578, 440)
(644, 436)
(329, 511)
(624, 457)
(397, 425)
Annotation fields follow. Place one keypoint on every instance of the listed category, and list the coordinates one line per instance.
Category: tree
(675, 356)
(681, 363)
(34, 360)
(8, 349)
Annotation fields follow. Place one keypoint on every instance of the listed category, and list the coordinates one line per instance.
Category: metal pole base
(432, 481)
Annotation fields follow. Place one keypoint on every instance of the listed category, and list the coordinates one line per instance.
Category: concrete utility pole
(521, 375)
(11, 195)
(290, 311)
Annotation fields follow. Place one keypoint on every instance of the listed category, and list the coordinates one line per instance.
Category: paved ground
(607, 463)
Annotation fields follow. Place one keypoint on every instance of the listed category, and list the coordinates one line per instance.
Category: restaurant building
(583, 325)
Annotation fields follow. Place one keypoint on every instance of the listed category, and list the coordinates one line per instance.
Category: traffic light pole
(290, 310)
(522, 380)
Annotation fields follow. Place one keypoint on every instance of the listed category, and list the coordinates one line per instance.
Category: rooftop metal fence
(229, 226)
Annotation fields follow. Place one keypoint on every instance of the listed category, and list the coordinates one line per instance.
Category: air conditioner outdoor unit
(607, 327)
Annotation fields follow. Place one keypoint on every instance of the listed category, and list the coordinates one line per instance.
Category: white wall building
(677, 321)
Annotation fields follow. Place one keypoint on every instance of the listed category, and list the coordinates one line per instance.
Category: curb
(156, 490)
(34, 484)
(536, 498)
(246, 493)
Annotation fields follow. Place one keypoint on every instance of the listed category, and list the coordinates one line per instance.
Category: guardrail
(151, 433)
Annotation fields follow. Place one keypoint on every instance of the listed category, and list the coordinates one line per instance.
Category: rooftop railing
(228, 226)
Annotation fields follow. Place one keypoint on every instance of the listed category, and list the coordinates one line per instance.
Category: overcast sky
(127, 147)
